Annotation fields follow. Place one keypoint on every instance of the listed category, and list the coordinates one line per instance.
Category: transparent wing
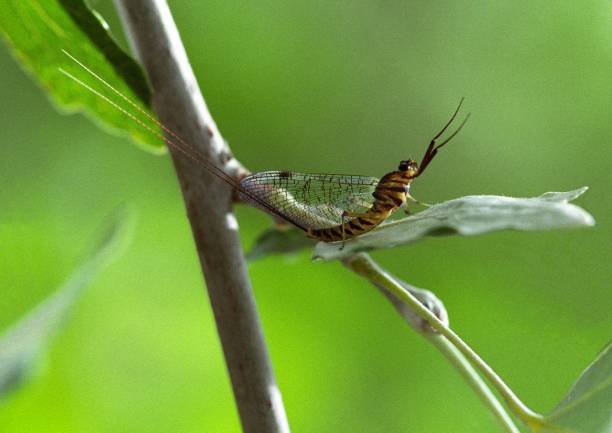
(309, 200)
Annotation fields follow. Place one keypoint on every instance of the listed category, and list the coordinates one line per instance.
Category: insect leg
(411, 198)
(407, 211)
(345, 215)
(344, 221)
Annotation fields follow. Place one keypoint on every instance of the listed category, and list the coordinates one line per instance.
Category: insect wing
(309, 200)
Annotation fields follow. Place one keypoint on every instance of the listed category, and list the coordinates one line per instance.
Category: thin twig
(421, 326)
(363, 265)
(474, 380)
(181, 107)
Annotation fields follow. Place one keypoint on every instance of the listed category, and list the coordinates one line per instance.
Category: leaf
(278, 241)
(38, 30)
(587, 408)
(468, 216)
(23, 343)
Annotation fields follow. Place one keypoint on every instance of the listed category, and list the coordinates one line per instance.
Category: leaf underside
(279, 241)
(587, 408)
(468, 216)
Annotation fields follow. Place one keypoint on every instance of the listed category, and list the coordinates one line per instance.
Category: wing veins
(312, 200)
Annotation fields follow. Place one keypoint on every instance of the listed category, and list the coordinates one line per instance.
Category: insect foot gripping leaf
(468, 216)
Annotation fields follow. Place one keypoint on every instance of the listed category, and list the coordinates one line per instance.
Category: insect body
(327, 207)
(390, 193)
(332, 207)
(339, 207)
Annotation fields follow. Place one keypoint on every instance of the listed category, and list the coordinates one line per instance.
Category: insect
(327, 207)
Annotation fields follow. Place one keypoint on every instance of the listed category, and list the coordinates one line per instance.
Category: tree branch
(181, 107)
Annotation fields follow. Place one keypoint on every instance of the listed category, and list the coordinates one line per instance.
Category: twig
(420, 325)
(181, 107)
(366, 267)
(474, 380)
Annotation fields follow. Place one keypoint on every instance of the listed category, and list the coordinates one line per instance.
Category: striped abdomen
(390, 194)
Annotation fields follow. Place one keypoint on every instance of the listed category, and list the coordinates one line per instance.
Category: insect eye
(403, 166)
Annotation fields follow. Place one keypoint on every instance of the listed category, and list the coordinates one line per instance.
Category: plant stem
(422, 327)
(473, 379)
(365, 266)
(181, 107)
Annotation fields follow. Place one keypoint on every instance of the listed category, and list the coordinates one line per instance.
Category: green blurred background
(347, 86)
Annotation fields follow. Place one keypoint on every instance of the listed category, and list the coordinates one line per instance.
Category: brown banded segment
(378, 195)
(365, 222)
(333, 236)
(354, 226)
(337, 230)
(397, 200)
(394, 188)
(348, 231)
(385, 206)
(390, 193)
(321, 234)
(334, 233)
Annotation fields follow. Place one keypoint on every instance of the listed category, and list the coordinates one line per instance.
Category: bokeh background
(347, 86)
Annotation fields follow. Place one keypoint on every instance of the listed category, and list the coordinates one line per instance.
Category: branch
(181, 107)
(363, 265)
(421, 325)
(474, 380)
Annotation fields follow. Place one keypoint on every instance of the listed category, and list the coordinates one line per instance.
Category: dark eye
(403, 166)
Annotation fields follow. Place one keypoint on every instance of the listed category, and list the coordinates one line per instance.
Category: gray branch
(181, 107)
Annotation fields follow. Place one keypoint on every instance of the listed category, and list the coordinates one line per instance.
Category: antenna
(432, 149)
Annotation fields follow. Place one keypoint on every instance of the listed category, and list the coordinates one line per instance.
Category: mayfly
(327, 207)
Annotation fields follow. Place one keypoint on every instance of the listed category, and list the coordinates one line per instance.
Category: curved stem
(365, 266)
(473, 379)
(181, 107)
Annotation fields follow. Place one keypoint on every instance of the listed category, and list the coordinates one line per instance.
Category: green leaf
(23, 343)
(587, 408)
(38, 30)
(278, 241)
(468, 216)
